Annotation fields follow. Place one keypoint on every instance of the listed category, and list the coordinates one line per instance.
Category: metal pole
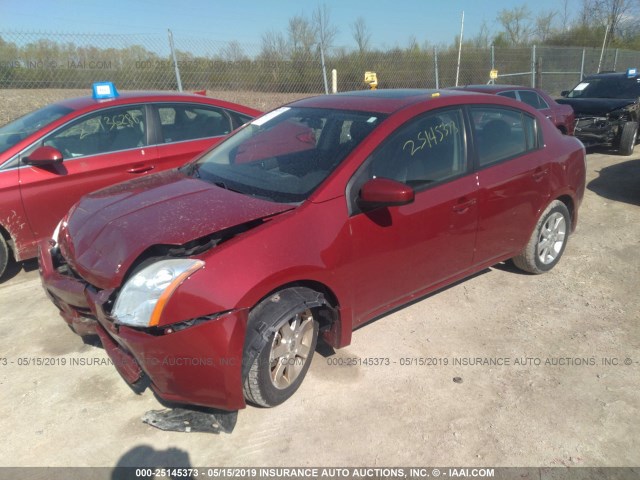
(334, 81)
(493, 57)
(533, 66)
(604, 42)
(324, 71)
(460, 48)
(584, 54)
(615, 60)
(175, 62)
(435, 61)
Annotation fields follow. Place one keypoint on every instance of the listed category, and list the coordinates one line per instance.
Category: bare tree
(274, 46)
(361, 34)
(413, 45)
(607, 12)
(325, 31)
(544, 25)
(302, 35)
(564, 19)
(516, 23)
(613, 13)
(483, 38)
(233, 52)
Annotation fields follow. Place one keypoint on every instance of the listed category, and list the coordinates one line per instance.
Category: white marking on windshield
(269, 116)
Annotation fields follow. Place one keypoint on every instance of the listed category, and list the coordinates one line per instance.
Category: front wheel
(278, 370)
(548, 240)
(4, 256)
(628, 138)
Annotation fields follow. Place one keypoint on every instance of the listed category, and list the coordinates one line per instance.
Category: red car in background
(238, 262)
(49, 158)
(562, 116)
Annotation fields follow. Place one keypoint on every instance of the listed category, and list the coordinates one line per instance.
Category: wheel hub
(552, 237)
(290, 349)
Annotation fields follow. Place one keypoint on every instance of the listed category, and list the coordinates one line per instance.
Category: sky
(391, 23)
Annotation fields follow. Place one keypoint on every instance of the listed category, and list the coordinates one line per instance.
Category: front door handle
(141, 169)
(464, 204)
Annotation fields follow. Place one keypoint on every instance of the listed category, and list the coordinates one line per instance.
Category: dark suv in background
(607, 108)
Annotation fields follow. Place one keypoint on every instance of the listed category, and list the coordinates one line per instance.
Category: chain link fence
(36, 60)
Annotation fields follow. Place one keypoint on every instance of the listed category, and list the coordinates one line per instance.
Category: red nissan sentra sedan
(214, 281)
(51, 157)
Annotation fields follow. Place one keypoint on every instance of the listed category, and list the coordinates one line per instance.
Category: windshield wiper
(227, 187)
(191, 170)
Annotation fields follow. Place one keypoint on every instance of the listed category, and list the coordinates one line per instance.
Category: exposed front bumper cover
(197, 365)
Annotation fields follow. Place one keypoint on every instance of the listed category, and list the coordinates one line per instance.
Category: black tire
(4, 256)
(279, 367)
(628, 138)
(548, 240)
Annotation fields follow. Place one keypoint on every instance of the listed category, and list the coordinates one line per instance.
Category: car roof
(492, 88)
(380, 101)
(611, 75)
(80, 103)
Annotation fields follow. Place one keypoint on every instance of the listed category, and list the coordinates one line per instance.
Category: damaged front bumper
(597, 130)
(199, 363)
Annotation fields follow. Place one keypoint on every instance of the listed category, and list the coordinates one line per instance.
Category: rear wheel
(284, 358)
(548, 240)
(628, 138)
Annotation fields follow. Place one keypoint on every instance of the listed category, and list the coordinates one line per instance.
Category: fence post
(334, 81)
(584, 54)
(435, 66)
(175, 62)
(604, 44)
(533, 66)
(615, 60)
(538, 71)
(460, 48)
(324, 70)
(493, 57)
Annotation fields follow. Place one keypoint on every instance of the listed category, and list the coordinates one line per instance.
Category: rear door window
(533, 99)
(502, 133)
(179, 123)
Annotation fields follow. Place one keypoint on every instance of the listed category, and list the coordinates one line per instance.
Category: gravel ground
(567, 397)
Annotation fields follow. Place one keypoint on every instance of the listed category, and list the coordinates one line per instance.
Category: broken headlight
(145, 294)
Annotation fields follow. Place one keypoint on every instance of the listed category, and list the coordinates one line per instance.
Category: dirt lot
(567, 397)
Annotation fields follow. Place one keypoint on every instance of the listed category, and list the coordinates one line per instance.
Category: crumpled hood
(595, 106)
(107, 230)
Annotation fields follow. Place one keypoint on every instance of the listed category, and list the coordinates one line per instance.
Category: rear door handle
(141, 169)
(539, 174)
(463, 205)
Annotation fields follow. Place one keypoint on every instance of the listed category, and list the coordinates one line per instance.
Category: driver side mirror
(564, 93)
(44, 156)
(384, 192)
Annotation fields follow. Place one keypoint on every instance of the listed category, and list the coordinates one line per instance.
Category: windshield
(607, 87)
(284, 155)
(19, 129)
